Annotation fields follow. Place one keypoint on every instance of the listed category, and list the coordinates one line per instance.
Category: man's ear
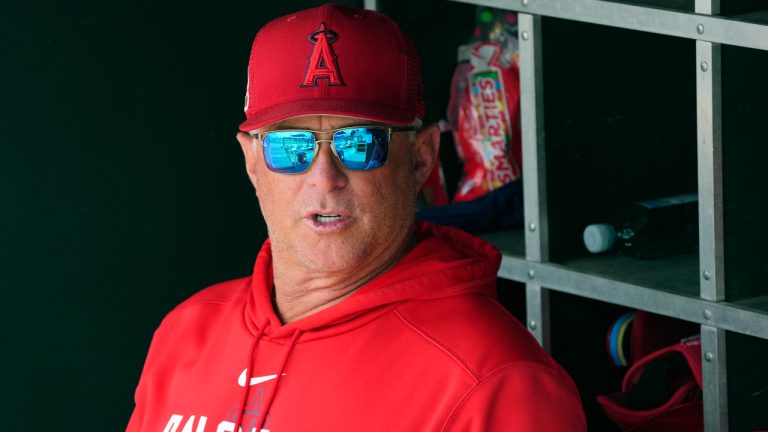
(426, 149)
(249, 153)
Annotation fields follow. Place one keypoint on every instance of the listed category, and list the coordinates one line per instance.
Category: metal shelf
(743, 30)
(666, 290)
(690, 287)
(675, 274)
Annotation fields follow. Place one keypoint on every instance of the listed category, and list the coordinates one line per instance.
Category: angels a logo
(322, 62)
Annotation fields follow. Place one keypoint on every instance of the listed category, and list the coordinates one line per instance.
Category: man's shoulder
(206, 322)
(477, 331)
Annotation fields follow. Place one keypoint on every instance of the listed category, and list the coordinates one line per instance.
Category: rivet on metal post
(707, 275)
(532, 325)
(704, 66)
(531, 274)
(525, 35)
(700, 29)
(525, 2)
(707, 314)
(708, 357)
(532, 227)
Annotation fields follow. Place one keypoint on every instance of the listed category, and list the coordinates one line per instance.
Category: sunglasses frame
(261, 135)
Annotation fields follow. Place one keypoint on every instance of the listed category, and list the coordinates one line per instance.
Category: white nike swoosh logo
(254, 380)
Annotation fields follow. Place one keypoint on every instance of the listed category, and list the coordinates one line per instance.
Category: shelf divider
(709, 127)
(534, 151)
(534, 164)
(537, 313)
(715, 379)
(710, 160)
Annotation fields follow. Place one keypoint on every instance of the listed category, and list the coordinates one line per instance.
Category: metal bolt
(531, 274)
(700, 29)
(532, 325)
(707, 314)
(525, 2)
(532, 227)
(525, 35)
(708, 357)
(704, 66)
(707, 275)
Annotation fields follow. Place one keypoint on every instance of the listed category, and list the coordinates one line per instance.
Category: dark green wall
(122, 190)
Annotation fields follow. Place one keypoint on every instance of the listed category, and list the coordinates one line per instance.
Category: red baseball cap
(333, 60)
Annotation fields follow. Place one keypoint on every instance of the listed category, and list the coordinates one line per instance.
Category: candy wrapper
(487, 94)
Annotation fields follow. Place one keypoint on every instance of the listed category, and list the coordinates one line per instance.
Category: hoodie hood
(444, 262)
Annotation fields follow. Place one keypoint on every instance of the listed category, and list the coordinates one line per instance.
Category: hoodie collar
(444, 262)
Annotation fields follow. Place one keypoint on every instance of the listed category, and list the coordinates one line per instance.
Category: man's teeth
(327, 218)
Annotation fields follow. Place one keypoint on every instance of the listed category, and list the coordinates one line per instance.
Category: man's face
(329, 219)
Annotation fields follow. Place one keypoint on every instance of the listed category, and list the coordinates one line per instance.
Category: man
(356, 318)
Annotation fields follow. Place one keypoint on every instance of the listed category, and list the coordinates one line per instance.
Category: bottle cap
(599, 237)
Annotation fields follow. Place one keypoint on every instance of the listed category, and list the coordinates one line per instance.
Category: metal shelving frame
(704, 302)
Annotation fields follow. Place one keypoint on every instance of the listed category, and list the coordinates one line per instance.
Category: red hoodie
(423, 347)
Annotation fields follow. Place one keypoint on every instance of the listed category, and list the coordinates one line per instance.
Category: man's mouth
(322, 218)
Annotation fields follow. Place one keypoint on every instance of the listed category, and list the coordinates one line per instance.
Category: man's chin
(333, 257)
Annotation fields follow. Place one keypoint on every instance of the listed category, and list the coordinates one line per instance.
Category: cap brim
(346, 108)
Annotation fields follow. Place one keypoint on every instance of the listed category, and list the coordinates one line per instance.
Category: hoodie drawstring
(249, 372)
(280, 372)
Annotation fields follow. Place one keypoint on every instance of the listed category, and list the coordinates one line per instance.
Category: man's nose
(326, 172)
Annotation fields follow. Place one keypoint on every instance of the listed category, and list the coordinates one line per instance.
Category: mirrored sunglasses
(358, 148)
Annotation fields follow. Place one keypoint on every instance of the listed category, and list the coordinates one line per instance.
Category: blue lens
(289, 152)
(362, 148)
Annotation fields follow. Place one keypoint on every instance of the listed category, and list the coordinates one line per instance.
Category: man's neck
(298, 294)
